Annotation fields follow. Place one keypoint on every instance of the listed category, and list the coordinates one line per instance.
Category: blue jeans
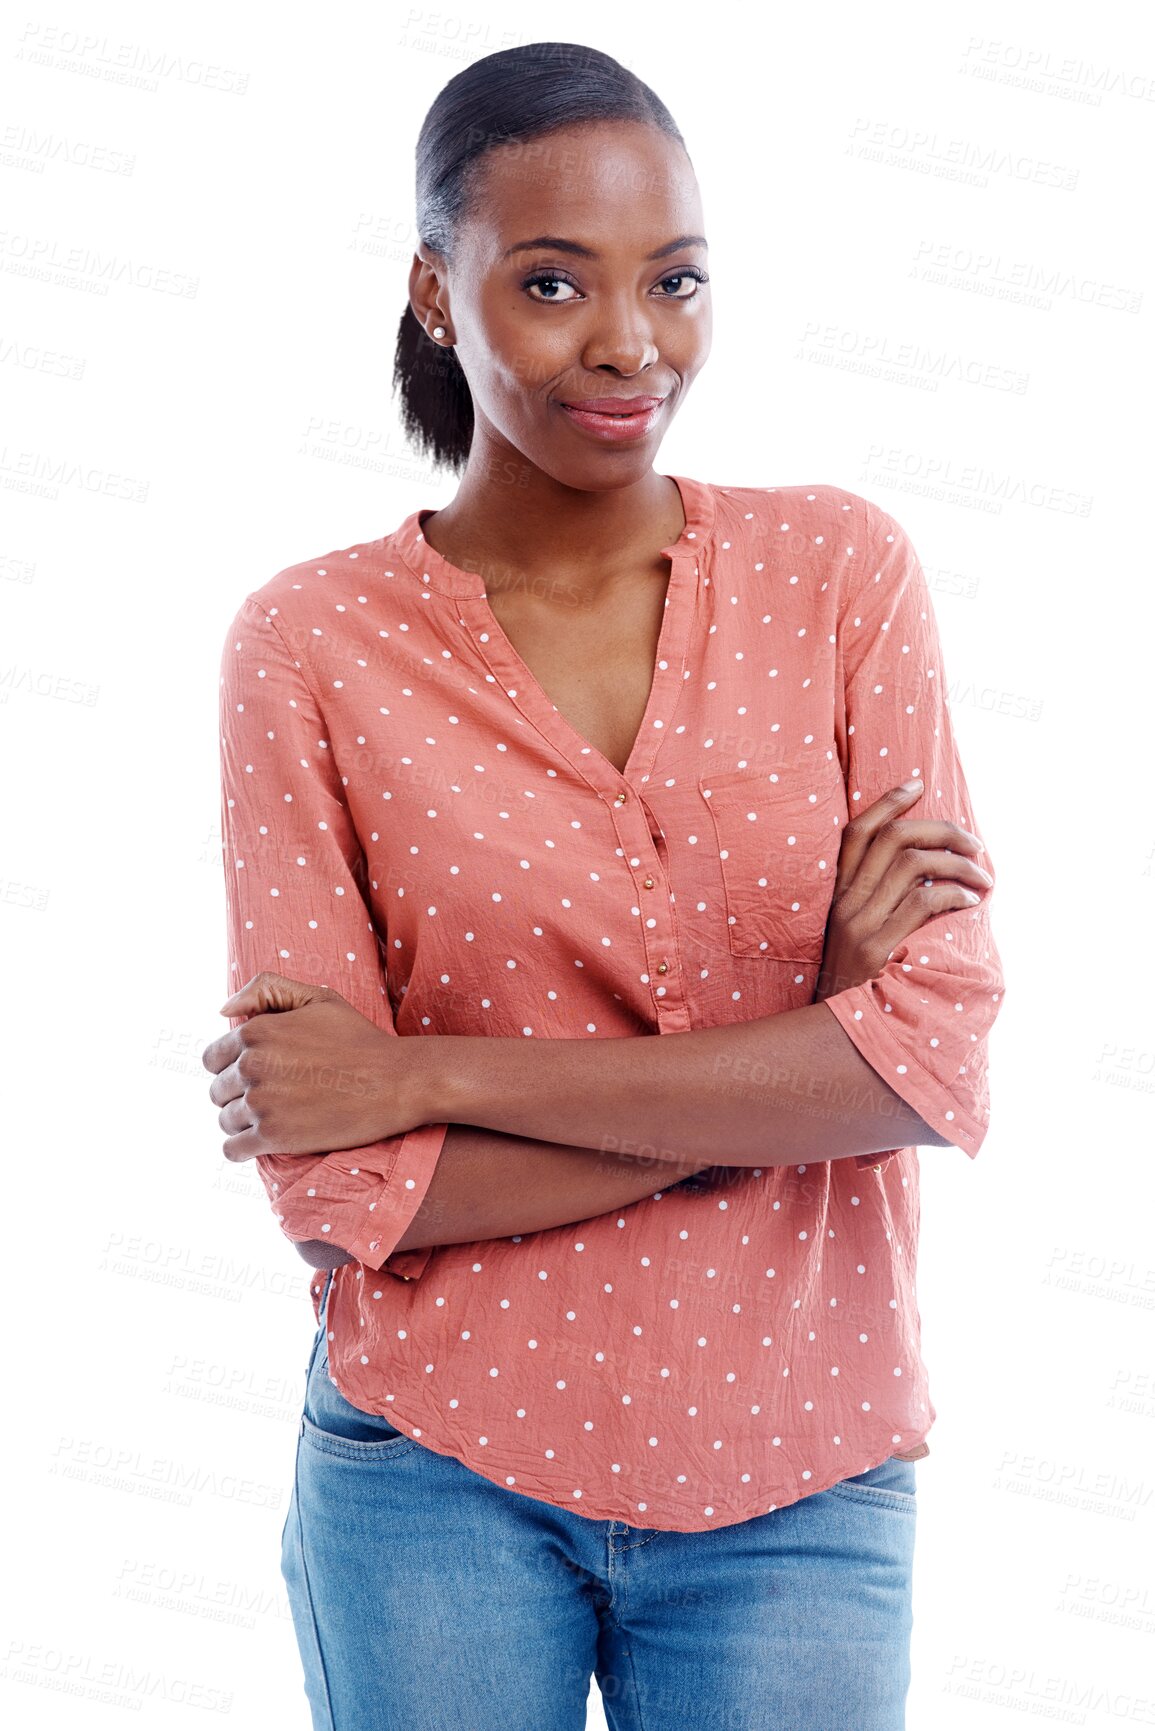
(426, 1598)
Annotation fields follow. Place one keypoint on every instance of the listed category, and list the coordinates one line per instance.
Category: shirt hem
(726, 1515)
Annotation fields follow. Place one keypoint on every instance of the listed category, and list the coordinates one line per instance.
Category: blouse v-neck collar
(436, 573)
(431, 568)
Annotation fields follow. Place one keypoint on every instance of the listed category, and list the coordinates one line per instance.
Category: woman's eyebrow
(558, 244)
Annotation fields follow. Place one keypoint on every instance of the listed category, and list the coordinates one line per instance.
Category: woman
(589, 754)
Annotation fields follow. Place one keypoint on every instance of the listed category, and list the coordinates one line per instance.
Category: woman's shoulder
(827, 530)
(817, 507)
(320, 583)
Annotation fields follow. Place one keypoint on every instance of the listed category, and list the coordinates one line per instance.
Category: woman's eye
(685, 276)
(549, 279)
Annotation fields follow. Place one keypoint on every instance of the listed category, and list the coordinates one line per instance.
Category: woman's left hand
(307, 1073)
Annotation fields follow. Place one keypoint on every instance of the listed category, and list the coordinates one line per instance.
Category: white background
(163, 453)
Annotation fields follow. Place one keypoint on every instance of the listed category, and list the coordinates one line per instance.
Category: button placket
(659, 941)
(489, 643)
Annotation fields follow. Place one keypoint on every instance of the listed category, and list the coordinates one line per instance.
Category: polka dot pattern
(409, 818)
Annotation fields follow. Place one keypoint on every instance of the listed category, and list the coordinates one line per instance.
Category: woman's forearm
(489, 1185)
(770, 1091)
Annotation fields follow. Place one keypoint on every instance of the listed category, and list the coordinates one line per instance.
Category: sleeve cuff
(408, 1264)
(865, 1024)
(368, 1211)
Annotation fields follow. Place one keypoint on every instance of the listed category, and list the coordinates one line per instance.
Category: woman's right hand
(882, 892)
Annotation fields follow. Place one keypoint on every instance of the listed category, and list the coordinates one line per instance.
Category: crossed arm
(649, 1112)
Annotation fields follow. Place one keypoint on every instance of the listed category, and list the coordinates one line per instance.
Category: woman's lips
(615, 427)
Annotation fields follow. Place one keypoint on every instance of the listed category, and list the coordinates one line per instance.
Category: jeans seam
(636, 1543)
(882, 1496)
(614, 1610)
(322, 1667)
(629, 1658)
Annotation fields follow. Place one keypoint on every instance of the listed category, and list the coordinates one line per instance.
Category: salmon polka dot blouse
(408, 819)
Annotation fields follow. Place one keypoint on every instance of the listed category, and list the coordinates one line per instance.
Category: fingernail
(909, 786)
(969, 896)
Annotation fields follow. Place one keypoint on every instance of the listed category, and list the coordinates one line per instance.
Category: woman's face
(540, 326)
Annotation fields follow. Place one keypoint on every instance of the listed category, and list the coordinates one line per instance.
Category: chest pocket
(778, 843)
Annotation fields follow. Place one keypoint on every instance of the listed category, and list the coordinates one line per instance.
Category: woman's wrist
(439, 1090)
(518, 1087)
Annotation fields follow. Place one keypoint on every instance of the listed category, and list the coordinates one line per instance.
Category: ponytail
(436, 406)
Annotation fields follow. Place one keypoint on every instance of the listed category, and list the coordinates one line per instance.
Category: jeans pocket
(333, 1424)
(890, 1485)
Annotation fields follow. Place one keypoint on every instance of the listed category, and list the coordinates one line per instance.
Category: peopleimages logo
(113, 1682)
(1037, 68)
(990, 489)
(963, 159)
(905, 361)
(114, 61)
(1023, 281)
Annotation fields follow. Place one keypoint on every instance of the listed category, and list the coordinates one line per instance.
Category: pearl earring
(439, 330)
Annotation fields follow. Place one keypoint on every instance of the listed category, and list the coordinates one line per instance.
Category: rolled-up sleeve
(924, 1021)
(295, 903)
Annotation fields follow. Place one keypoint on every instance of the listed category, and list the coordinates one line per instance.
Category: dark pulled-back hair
(509, 97)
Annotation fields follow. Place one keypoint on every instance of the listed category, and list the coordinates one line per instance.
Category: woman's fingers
(895, 873)
(269, 991)
(881, 830)
(907, 848)
(861, 831)
(900, 886)
(889, 874)
(923, 903)
(245, 1145)
(235, 1117)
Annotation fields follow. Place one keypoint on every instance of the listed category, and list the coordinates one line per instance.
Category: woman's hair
(514, 95)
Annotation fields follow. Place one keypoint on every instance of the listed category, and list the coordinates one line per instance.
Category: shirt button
(647, 883)
(663, 968)
(620, 800)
